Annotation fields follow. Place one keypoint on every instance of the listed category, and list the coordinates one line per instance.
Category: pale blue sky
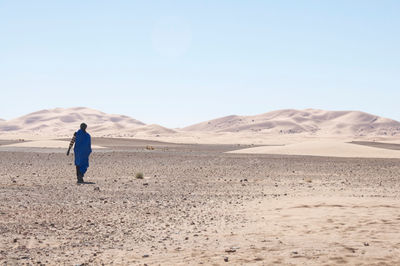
(179, 62)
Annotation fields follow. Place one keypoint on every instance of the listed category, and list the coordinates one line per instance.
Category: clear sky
(179, 62)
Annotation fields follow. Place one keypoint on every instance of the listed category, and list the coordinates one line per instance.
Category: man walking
(82, 150)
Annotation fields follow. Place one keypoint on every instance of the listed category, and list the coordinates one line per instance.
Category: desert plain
(266, 201)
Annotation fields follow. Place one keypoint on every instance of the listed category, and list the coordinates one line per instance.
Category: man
(82, 150)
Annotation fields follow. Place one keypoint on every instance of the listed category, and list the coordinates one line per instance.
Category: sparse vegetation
(148, 147)
(139, 175)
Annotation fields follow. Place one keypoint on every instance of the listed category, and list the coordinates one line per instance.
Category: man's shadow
(86, 183)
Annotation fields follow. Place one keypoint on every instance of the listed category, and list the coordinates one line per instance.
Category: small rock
(96, 189)
(226, 259)
(146, 256)
(145, 184)
(230, 250)
(366, 244)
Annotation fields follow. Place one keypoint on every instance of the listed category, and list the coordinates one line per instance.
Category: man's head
(83, 126)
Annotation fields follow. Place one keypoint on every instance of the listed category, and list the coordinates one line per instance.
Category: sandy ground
(197, 205)
(44, 144)
(333, 148)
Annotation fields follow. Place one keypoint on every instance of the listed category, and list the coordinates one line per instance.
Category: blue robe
(82, 150)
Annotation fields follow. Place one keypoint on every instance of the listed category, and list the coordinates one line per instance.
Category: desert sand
(328, 148)
(44, 144)
(196, 205)
(290, 187)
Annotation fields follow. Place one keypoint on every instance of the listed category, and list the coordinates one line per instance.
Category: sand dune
(282, 126)
(324, 148)
(60, 121)
(145, 131)
(310, 121)
(154, 129)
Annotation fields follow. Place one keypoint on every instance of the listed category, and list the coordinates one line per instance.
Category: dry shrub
(139, 175)
(308, 179)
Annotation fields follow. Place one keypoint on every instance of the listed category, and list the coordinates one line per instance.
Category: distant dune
(63, 122)
(60, 120)
(309, 121)
(264, 128)
(154, 129)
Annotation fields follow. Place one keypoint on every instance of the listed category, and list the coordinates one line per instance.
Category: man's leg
(79, 175)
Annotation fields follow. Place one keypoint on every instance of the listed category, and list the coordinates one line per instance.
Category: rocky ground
(196, 205)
